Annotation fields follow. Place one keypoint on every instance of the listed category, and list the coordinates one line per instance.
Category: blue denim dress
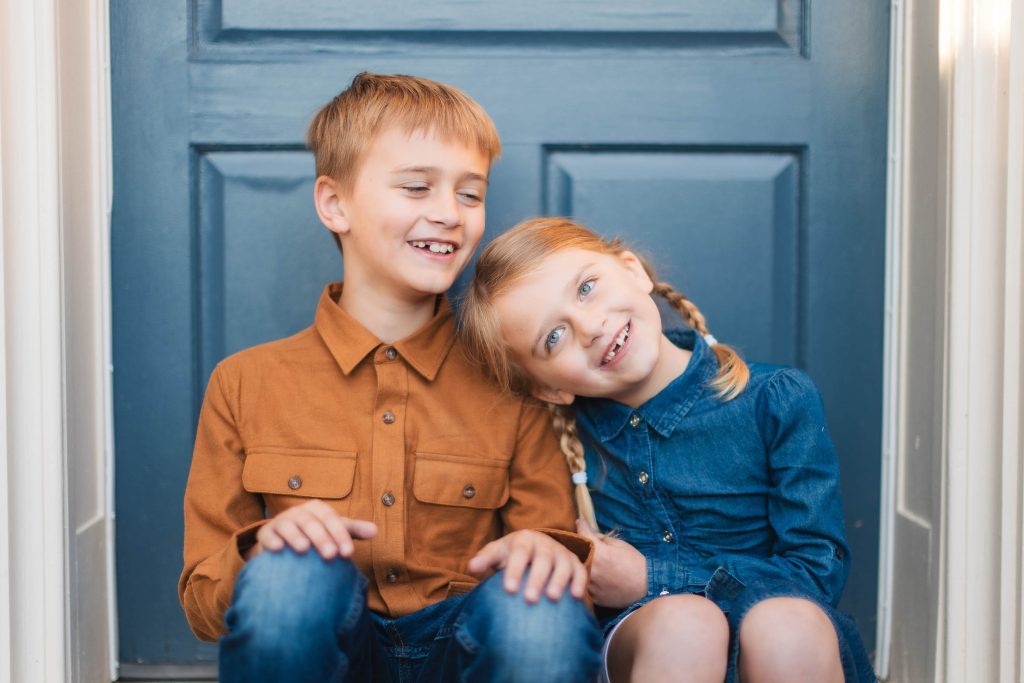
(737, 501)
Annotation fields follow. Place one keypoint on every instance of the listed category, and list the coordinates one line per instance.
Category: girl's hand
(618, 574)
(314, 523)
(549, 561)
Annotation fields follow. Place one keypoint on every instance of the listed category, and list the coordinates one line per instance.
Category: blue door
(742, 144)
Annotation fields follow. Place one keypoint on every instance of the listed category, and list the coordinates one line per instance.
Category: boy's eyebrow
(572, 283)
(433, 169)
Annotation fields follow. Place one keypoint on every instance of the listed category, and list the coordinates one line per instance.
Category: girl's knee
(792, 633)
(689, 618)
(674, 631)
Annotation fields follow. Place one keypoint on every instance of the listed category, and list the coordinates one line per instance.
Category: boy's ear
(330, 204)
(552, 395)
(633, 264)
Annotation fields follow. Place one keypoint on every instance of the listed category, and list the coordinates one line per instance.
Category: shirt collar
(670, 405)
(349, 342)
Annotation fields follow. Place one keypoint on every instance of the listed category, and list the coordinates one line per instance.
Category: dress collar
(664, 410)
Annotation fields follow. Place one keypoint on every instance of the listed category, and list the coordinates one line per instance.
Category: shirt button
(666, 536)
(389, 417)
(391, 353)
(391, 576)
(469, 491)
(643, 478)
(295, 482)
(634, 420)
(388, 499)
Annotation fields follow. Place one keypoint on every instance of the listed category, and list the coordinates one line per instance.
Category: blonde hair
(345, 128)
(515, 254)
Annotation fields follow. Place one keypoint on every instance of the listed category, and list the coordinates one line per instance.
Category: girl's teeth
(619, 341)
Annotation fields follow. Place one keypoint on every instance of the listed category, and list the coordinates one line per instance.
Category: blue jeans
(296, 617)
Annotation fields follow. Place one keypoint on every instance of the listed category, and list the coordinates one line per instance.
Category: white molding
(55, 190)
(33, 329)
(981, 599)
(894, 335)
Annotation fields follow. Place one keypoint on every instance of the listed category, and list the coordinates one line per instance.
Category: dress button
(388, 499)
(389, 417)
(666, 536)
(295, 482)
(391, 353)
(634, 420)
(643, 478)
(469, 491)
(391, 576)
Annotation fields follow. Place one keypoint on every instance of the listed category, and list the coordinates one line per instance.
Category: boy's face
(414, 215)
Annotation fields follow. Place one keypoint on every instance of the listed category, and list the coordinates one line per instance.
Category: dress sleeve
(221, 518)
(540, 488)
(804, 505)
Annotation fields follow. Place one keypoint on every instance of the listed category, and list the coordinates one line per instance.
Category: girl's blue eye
(553, 337)
(585, 288)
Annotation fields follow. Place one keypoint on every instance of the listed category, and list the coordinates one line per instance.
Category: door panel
(741, 144)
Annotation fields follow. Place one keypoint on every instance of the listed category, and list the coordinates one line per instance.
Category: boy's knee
(285, 590)
(544, 634)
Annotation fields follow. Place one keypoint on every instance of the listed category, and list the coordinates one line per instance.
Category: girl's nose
(590, 327)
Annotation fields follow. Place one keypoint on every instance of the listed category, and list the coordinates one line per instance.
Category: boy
(391, 473)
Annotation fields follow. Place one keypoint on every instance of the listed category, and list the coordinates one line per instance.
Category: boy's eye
(471, 196)
(553, 337)
(585, 288)
(415, 189)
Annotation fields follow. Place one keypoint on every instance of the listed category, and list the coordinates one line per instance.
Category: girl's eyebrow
(573, 284)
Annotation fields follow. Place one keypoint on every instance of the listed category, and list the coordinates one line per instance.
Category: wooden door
(742, 144)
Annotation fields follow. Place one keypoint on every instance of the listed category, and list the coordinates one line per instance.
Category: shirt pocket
(301, 473)
(459, 481)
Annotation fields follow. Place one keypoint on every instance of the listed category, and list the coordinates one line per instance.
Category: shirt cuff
(580, 546)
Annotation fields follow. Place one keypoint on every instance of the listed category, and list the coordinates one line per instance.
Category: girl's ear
(634, 265)
(552, 395)
(330, 204)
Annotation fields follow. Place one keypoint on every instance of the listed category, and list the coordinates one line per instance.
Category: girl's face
(584, 323)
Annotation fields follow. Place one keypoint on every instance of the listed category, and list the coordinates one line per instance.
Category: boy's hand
(549, 561)
(314, 523)
(618, 573)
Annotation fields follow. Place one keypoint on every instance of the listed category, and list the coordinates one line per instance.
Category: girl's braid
(569, 439)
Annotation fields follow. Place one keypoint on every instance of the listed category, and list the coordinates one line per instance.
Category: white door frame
(56, 543)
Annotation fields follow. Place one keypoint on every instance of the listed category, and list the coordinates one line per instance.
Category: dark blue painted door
(741, 143)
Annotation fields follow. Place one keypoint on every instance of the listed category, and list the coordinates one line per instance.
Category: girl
(720, 481)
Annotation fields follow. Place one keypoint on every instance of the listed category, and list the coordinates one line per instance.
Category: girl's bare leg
(677, 638)
(791, 640)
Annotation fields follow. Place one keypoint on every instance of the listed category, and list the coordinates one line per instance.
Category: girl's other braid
(569, 440)
(686, 308)
(733, 374)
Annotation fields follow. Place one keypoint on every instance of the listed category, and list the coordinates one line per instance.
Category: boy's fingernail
(346, 549)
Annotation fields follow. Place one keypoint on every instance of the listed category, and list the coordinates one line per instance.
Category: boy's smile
(412, 218)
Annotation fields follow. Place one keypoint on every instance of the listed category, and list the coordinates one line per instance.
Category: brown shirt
(409, 436)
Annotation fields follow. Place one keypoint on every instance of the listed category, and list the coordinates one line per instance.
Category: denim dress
(737, 500)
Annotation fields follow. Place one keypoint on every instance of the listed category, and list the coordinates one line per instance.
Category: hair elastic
(710, 339)
(579, 477)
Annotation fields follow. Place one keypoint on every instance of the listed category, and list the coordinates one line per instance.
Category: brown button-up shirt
(408, 435)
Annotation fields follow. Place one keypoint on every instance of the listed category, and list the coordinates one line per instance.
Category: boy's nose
(444, 211)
